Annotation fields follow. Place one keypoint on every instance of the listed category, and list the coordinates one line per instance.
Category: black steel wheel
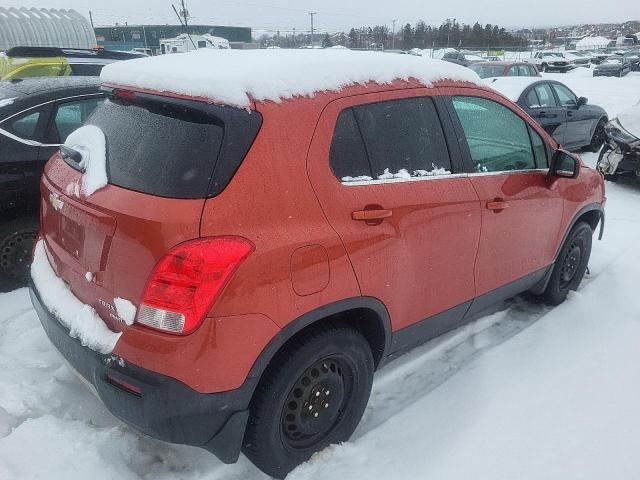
(16, 244)
(312, 395)
(571, 264)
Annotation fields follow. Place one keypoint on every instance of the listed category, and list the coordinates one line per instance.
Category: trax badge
(55, 202)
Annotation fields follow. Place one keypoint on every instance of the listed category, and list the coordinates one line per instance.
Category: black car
(566, 117)
(36, 116)
(633, 57)
(613, 67)
(460, 58)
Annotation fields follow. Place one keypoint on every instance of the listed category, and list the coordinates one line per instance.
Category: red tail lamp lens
(187, 281)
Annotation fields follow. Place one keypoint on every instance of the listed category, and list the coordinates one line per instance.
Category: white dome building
(21, 27)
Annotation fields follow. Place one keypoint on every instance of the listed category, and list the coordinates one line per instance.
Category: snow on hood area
(510, 87)
(90, 142)
(82, 320)
(630, 120)
(235, 77)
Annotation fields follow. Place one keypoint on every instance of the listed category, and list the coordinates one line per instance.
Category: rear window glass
(174, 148)
(486, 71)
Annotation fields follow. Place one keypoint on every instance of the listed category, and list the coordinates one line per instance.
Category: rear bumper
(161, 407)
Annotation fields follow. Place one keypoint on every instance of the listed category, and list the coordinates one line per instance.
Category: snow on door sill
(82, 320)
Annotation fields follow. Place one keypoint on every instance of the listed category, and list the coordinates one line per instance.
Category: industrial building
(128, 37)
(42, 27)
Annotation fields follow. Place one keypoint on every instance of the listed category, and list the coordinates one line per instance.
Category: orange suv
(228, 271)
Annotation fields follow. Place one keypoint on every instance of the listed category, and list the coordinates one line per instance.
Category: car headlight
(617, 132)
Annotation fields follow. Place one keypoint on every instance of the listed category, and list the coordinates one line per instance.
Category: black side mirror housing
(564, 165)
(582, 101)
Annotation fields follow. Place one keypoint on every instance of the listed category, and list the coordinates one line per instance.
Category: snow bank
(235, 77)
(82, 320)
(89, 140)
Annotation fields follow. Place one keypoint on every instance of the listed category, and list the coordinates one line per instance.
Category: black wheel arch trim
(341, 306)
(597, 207)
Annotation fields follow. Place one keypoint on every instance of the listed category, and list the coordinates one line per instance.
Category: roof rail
(35, 52)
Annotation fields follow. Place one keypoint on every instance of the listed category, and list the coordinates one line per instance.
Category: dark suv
(36, 116)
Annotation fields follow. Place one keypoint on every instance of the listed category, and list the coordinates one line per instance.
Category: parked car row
(297, 231)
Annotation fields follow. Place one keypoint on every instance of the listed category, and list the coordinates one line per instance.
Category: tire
(16, 245)
(599, 137)
(543, 67)
(570, 265)
(312, 395)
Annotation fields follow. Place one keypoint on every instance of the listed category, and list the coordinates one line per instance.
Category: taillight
(187, 281)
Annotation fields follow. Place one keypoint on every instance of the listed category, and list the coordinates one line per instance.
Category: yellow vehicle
(23, 62)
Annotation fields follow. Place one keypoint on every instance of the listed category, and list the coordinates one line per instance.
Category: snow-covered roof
(630, 120)
(592, 42)
(21, 27)
(236, 77)
(511, 87)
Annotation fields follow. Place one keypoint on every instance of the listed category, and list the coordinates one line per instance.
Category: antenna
(183, 23)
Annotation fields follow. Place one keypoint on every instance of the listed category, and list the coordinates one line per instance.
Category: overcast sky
(338, 15)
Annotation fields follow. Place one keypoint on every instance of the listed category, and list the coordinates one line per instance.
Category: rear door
(521, 205)
(543, 106)
(387, 181)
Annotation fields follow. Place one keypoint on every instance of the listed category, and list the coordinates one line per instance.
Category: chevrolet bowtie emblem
(55, 202)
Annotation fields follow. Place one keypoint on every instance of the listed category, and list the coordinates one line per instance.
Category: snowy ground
(528, 392)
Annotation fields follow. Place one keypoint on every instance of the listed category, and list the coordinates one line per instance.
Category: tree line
(449, 34)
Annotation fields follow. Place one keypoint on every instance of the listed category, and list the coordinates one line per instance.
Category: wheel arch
(368, 315)
(593, 214)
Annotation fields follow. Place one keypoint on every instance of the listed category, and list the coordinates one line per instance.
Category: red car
(505, 69)
(245, 269)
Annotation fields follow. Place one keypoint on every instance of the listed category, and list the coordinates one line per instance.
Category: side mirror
(564, 165)
(582, 101)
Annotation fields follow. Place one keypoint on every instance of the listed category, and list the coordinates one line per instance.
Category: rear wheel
(16, 244)
(311, 396)
(570, 265)
(543, 67)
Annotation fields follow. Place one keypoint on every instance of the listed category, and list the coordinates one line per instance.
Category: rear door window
(25, 125)
(545, 95)
(403, 138)
(498, 139)
(532, 99)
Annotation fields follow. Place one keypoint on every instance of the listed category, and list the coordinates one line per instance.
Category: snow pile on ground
(90, 142)
(236, 77)
(82, 320)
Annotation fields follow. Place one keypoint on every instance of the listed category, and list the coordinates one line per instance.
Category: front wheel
(599, 137)
(312, 395)
(570, 265)
(543, 67)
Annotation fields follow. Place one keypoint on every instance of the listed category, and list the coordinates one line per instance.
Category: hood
(630, 120)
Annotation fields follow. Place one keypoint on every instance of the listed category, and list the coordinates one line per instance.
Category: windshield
(613, 61)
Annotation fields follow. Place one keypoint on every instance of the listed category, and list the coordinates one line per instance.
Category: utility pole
(393, 35)
(311, 14)
(184, 13)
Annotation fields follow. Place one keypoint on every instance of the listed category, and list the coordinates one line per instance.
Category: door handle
(497, 205)
(569, 113)
(371, 215)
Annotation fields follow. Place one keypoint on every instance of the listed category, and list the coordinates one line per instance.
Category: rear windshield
(174, 148)
(486, 71)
